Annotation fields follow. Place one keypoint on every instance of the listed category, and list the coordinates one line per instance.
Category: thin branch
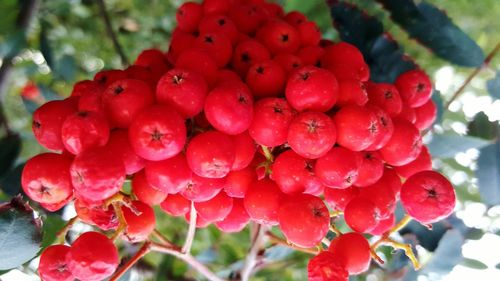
(488, 59)
(186, 249)
(146, 247)
(156, 233)
(111, 33)
(275, 239)
(61, 234)
(258, 241)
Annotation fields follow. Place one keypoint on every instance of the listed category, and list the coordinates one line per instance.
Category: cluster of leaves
(67, 42)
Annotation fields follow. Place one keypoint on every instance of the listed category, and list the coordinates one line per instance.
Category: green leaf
(438, 100)
(10, 147)
(447, 146)
(447, 254)
(432, 28)
(51, 225)
(10, 182)
(488, 173)
(472, 263)
(14, 42)
(481, 127)
(316, 11)
(493, 86)
(66, 68)
(20, 234)
(45, 47)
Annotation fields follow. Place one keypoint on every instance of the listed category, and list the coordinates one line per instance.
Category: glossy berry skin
(359, 136)
(217, 44)
(229, 107)
(142, 73)
(337, 199)
(371, 168)
(304, 219)
(210, 154)
(384, 225)
(353, 251)
(279, 37)
(119, 145)
(295, 18)
(140, 222)
(46, 179)
(238, 182)
(384, 126)
(105, 77)
(404, 145)
(294, 173)
(312, 88)
(157, 133)
(84, 130)
(53, 207)
(311, 134)
(178, 86)
(309, 33)
(339, 168)
(247, 17)
(92, 257)
(145, 192)
(425, 115)
(361, 215)
(188, 16)
(98, 215)
(262, 202)
(97, 174)
(154, 60)
(310, 55)
(175, 205)
(47, 123)
(428, 197)
(352, 91)
(288, 62)
(381, 195)
(219, 23)
(422, 163)
(123, 99)
(266, 79)
(179, 42)
(200, 61)
(272, 117)
(53, 266)
(215, 209)
(415, 87)
(345, 61)
(325, 267)
(200, 189)
(236, 220)
(248, 53)
(170, 175)
(385, 96)
(244, 149)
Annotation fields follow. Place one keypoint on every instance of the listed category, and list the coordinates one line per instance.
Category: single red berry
(215, 209)
(247, 17)
(30, 91)
(415, 87)
(385, 96)
(97, 174)
(176, 205)
(293, 173)
(295, 18)
(262, 201)
(311, 134)
(198, 60)
(309, 33)
(105, 77)
(142, 73)
(352, 91)
(92, 257)
(219, 23)
(273, 10)
(46, 179)
(155, 60)
(361, 215)
(96, 214)
(337, 199)
(360, 136)
(53, 207)
(238, 182)
(423, 162)
(272, 117)
(47, 123)
(200, 189)
(425, 115)
(428, 197)
(353, 251)
(311, 55)
(217, 6)
(211, 154)
(384, 126)
(84, 87)
(169, 175)
(119, 145)
(381, 195)
(225, 75)
(157, 133)
(145, 192)
(179, 42)
(408, 114)
(312, 88)
(236, 220)
(91, 101)
(325, 267)
(404, 145)
(392, 179)
(229, 107)
(140, 221)
(217, 44)
(345, 61)
(371, 168)
(266, 79)
(244, 147)
(53, 265)
(188, 16)
(84, 130)
(279, 37)
(384, 225)
(339, 168)
(248, 53)
(304, 220)
(288, 62)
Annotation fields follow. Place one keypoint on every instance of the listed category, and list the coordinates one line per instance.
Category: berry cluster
(249, 116)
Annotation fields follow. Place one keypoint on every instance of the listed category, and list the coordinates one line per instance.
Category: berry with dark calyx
(273, 10)
(200, 189)
(145, 192)
(143, 73)
(325, 267)
(248, 53)
(312, 88)
(304, 219)
(361, 215)
(47, 123)
(179, 42)
(211, 154)
(247, 17)
(360, 136)
(339, 168)
(337, 198)
(288, 62)
(244, 148)
(236, 220)
(217, 6)
(385, 96)
(302, 170)
(309, 33)
(422, 163)
(91, 101)
(178, 86)
(83, 87)
(53, 265)
(352, 91)
(84, 130)
(188, 16)
(385, 128)
(175, 205)
(295, 18)
(262, 202)
(415, 87)
(155, 60)
(157, 133)
(266, 79)
(119, 145)
(237, 182)
(408, 114)
(371, 168)
(170, 175)
(404, 145)
(46, 178)
(123, 99)
(97, 174)
(96, 214)
(353, 251)
(229, 107)
(217, 44)
(311, 55)
(140, 221)
(428, 197)
(381, 195)
(311, 134)
(425, 115)
(279, 37)
(105, 77)
(272, 117)
(215, 209)
(200, 61)
(219, 23)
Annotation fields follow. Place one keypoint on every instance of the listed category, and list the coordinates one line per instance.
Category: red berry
(312, 88)
(98, 215)
(304, 220)
(295, 18)
(215, 209)
(311, 55)
(145, 192)
(238, 182)
(361, 214)
(219, 23)
(47, 123)
(179, 42)
(385, 96)
(217, 6)
(384, 126)
(371, 168)
(309, 33)
(91, 101)
(170, 175)
(236, 220)
(84, 130)
(392, 179)
(381, 195)
(248, 53)
(218, 45)
(105, 77)
(142, 73)
(262, 202)
(425, 115)
(244, 147)
(345, 61)
(353, 251)
(337, 199)
(293, 173)
(266, 79)
(415, 87)
(188, 16)
(273, 10)
(211, 154)
(157, 133)
(428, 197)
(229, 107)
(288, 62)
(311, 134)
(384, 225)
(200, 189)
(246, 17)
(155, 60)
(360, 136)
(279, 37)
(352, 91)
(199, 61)
(84, 87)
(140, 221)
(272, 117)
(339, 168)
(200, 221)
(53, 207)
(225, 75)
(325, 267)
(408, 114)
(53, 265)
(119, 145)
(404, 145)
(175, 205)
(423, 162)
(46, 178)
(92, 257)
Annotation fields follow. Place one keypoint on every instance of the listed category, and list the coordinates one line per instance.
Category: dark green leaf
(447, 146)
(481, 127)
(10, 147)
(14, 42)
(488, 173)
(472, 263)
(45, 46)
(30, 105)
(493, 86)
(20, 234)
(11, 181)
(438, 100)
(447, 254)
(47, 93)
(66, 68)
(51, 225)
